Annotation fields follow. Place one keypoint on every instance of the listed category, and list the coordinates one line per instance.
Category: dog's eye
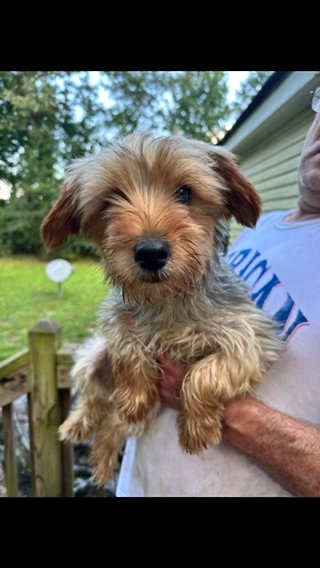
(184, 195)
(113, 199)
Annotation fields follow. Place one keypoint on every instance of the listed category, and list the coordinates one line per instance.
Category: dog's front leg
(107, 447)
(207, 386)
(136, 374)
(92, 377)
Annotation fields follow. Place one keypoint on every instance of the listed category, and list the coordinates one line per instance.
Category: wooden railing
(43, 373)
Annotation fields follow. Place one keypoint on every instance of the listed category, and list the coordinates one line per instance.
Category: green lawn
(27, 295)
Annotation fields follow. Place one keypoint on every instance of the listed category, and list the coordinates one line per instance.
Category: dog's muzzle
(152, 254)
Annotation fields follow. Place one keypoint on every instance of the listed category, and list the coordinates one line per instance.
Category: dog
(157, 208)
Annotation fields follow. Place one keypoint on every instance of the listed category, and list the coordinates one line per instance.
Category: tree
(248, 90)
(201, 110)
(191, 103)
(49, 118)
(39, 126)
(46, 119)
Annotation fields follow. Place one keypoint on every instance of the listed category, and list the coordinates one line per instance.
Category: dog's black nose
(152, 255)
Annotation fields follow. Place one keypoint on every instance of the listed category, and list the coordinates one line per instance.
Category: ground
(27, 295)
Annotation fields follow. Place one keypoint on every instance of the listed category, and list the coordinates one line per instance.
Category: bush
(20, 234)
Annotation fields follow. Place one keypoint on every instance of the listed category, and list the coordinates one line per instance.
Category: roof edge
(274, 80)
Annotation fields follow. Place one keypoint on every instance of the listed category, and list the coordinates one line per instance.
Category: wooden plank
(63, 377)
(12, 387)
(279, 193)
(287, 134)
(45, 411)
(276, 170)
(270, 165)
(280, 204)
(269, 149)
(65, 354)
(260, 161)
(13, 364)
(65, 361)
(279, 181)
(10, 465)
(284, 192)
(270, 179)
(282, 156)
(31, 439)
(67, 448)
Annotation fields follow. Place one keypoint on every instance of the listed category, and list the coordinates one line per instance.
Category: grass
(27, 296)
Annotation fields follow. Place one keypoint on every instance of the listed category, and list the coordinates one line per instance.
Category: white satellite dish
(59, 271)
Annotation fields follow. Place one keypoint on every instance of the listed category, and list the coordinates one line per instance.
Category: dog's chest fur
(187, 327)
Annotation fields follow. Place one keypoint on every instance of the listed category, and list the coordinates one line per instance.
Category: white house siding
(271, 165)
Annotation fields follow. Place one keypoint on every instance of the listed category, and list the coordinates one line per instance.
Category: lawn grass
(27, 296)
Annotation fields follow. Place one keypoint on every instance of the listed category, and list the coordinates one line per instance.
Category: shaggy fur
(194, 308)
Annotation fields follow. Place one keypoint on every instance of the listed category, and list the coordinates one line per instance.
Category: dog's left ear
(242, 200)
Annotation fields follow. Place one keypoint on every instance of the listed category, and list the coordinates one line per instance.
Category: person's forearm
(287, 448)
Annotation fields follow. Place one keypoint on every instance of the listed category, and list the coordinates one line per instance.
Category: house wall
(271, 165)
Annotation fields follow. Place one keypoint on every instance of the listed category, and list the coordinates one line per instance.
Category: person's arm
(287, 448)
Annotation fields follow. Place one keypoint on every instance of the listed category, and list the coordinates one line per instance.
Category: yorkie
(157, 208)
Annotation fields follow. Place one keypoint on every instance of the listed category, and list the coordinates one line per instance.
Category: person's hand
(170, 382)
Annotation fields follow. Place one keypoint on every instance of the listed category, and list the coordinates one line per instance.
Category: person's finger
(169, 399)
(168, 394)
(171, 368)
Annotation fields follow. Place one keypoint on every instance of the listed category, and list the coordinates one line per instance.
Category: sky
(235, 79)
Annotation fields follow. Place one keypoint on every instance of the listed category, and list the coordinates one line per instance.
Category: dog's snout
(152, 254)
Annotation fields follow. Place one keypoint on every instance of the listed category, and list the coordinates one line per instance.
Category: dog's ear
(242, 200)
(63, 221)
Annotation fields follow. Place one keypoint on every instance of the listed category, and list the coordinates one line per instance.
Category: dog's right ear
(63, 221)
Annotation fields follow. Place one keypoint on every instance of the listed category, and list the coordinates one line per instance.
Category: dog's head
(154, 207)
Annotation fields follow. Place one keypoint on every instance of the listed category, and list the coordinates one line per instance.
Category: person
(271, 443)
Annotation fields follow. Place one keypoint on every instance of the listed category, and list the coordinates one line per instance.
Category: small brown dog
(157, 210)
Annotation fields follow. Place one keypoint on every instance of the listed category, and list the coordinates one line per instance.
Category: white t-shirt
(280, 262)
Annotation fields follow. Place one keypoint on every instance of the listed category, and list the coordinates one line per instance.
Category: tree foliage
(191, 103)
(40, 129)
(249, 89)
(46, 119)
(49, 118)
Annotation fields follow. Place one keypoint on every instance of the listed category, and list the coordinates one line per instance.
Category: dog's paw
(76, 429)
(102, 473)
(196, 435)
(103, 466)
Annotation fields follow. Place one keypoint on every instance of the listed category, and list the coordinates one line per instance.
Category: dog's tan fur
(197, 311)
